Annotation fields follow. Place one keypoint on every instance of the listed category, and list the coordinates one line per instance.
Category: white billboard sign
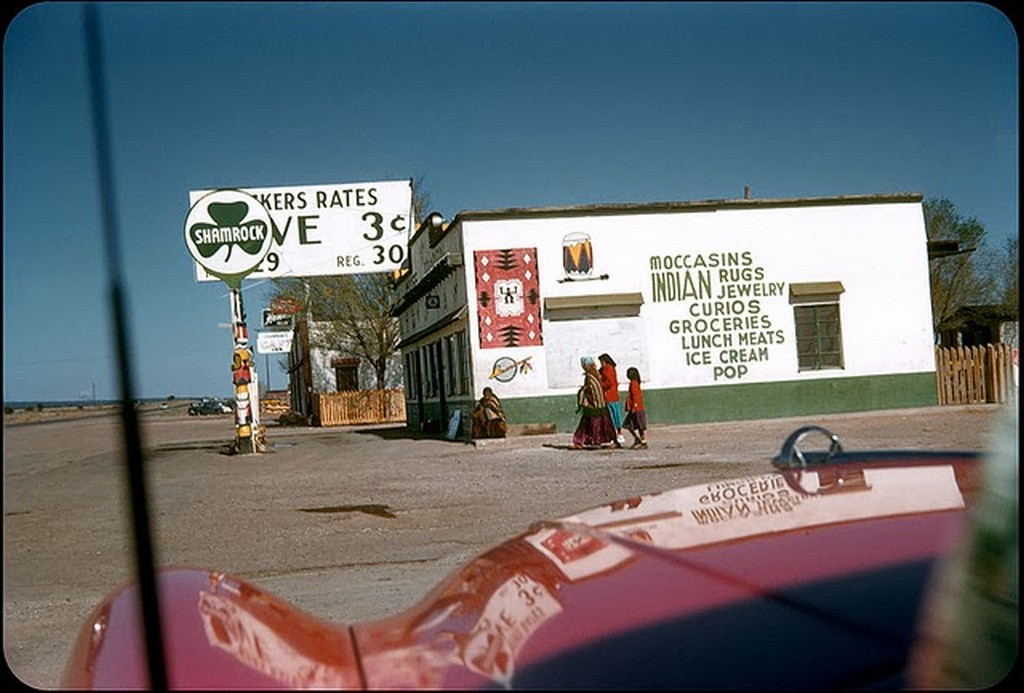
(273, 342)
(344, 228)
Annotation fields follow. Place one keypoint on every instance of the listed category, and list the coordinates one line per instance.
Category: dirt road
(349, 524)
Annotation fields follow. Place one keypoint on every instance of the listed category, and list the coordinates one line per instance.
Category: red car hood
(801, 579)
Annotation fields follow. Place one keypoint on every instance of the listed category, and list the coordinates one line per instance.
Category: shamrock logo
(228, 230)
(222, 221)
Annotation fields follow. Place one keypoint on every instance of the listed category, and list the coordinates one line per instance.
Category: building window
(346, 374)
(431, 371)
(452, 364)
(462, 340)
(819, 333)
(410, 378)
(439, 360)
(417, 366)
(425, 373)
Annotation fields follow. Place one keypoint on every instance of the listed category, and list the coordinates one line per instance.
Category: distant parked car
(208, 406)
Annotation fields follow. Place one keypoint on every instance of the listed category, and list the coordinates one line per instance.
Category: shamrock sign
(228, 232)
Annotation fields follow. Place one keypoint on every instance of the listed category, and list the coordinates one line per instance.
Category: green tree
(957, 279)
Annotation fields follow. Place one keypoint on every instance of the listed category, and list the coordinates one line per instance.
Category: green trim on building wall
(748, 400)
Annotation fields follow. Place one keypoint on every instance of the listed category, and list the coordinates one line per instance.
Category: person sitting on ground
(488, 417)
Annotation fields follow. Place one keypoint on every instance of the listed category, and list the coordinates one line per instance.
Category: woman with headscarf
(488, 419)
(595, 428)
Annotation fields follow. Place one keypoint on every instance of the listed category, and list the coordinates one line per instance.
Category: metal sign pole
(229, 233)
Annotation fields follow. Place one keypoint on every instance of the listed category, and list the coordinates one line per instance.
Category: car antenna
(129, 416)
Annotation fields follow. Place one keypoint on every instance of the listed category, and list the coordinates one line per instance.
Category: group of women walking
(597, 401)
(600, 408)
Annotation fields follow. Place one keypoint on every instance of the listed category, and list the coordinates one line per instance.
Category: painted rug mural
(508, 297)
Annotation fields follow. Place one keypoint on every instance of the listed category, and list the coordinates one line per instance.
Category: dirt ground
(349, 524)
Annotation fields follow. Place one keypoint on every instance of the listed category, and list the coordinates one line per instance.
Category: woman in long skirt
(595, 428)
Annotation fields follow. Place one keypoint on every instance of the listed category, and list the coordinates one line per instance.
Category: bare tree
(957, 279)
(1003, 265)
(354, 315)
(420, 200)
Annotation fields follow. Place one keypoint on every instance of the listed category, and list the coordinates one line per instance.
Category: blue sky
(491, 105)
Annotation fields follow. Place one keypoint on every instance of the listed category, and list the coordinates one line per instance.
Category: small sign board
(277, 342)
(278, 321)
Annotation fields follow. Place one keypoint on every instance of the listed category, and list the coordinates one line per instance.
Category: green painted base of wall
(749, 401)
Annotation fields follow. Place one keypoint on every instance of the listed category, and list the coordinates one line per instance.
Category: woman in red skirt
(595, 428)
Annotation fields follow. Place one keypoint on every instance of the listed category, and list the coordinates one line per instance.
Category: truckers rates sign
(316, 230)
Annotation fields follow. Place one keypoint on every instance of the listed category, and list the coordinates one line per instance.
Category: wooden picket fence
(975, 375)
(359, 407)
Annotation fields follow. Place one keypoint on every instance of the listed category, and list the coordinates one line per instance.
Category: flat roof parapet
(682, 206)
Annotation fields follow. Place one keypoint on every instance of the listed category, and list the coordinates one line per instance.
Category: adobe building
(730, 309)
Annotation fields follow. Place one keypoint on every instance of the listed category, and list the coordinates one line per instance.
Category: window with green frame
(819, 332)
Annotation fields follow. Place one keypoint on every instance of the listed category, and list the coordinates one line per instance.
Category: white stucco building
(730, 309)
(317, 370)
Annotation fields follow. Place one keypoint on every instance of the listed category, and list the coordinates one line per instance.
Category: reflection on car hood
(769, 503)
(666, 589)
